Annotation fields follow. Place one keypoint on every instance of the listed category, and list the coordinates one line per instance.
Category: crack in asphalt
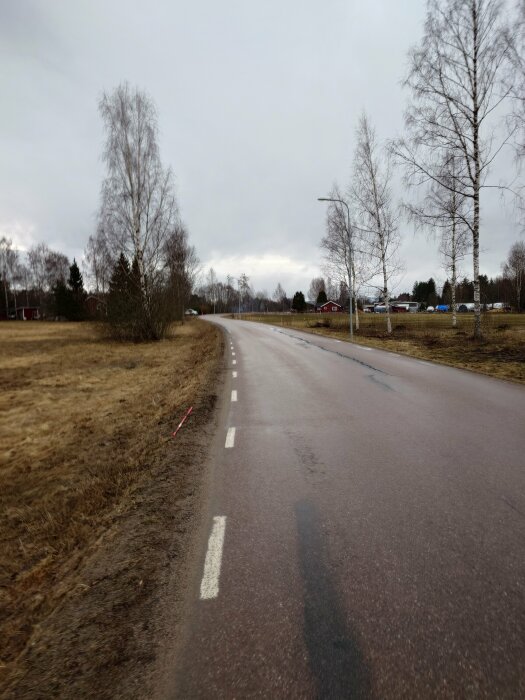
(377, 381)
(334, 352)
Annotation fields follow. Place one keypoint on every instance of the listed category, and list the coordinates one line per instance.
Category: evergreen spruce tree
(76, 294)
(298, 303)
(446, 294)
(321, 298)
(119, 297)
(61, 300)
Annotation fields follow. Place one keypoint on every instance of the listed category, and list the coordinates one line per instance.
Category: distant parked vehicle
(442, 308)
(468, 306)
(410, 306)
(191, 312)
(430, 309)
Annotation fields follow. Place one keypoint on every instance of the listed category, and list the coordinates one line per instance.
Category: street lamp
(350, 286)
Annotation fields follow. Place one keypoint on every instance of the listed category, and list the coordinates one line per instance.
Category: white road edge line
(230, 438)
(234, 374)
(234, 394)
(213, 561)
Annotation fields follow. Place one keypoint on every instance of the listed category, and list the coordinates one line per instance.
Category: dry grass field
(501, 353)
(85, 423)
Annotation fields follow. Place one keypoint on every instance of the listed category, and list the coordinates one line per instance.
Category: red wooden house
(26, 313)
(330, 307)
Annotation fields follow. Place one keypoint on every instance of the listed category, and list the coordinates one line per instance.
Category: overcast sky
(257, 101)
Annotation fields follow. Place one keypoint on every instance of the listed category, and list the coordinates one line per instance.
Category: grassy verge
(501, 353)
(89, 475)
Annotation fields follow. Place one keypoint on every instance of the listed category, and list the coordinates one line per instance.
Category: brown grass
(501, 352)
(82, 422)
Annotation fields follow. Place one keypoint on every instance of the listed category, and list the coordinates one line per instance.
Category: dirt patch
(99, 500)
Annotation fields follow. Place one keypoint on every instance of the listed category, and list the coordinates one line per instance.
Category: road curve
(366, 529)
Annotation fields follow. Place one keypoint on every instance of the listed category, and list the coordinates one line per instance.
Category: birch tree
(183, 267)
(373, 206)
(100, 261)
(138, 209)
(279, 296)
(316, 285)
(341, 262)
(7, 259)
(445, 213)
(244, 288)
(212, 286)
(514, 270)
(456, 79)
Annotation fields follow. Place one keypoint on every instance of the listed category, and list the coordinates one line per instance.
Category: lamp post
(350, 285)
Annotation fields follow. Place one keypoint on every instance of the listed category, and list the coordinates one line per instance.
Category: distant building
(330, 307)
(25, 313)
(95, 306)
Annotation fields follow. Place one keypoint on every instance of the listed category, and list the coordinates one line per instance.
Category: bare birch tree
(372, 197)
(456, 79)
(100, 261)
(244, 288)
(183, 265)
(316, 285)
(514, 270)
(212, 287)
(7, 256)
(138, 210)
(341, 262)
(279, 296)
(445, 212)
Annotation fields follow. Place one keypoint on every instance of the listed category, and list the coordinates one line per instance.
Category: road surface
(366, 529)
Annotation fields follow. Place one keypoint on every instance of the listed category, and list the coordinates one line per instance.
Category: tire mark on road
(335, 657)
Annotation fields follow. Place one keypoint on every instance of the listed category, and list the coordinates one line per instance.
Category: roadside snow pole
(190, 409)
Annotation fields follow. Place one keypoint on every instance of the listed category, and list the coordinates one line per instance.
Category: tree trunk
(453, 295)
(475, 260)
(477, 177)
(355, 300)
(454, 251)
(387, 300)
(6, 299)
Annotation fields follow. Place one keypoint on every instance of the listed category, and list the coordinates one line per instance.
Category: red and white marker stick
(190, 409)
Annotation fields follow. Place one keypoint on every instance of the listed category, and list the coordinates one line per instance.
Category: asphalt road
(366, 529)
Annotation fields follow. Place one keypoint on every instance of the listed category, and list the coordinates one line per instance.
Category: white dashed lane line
(213, 561)
(234, 374)
(234, 362)
(234, 394)
(230, 438)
